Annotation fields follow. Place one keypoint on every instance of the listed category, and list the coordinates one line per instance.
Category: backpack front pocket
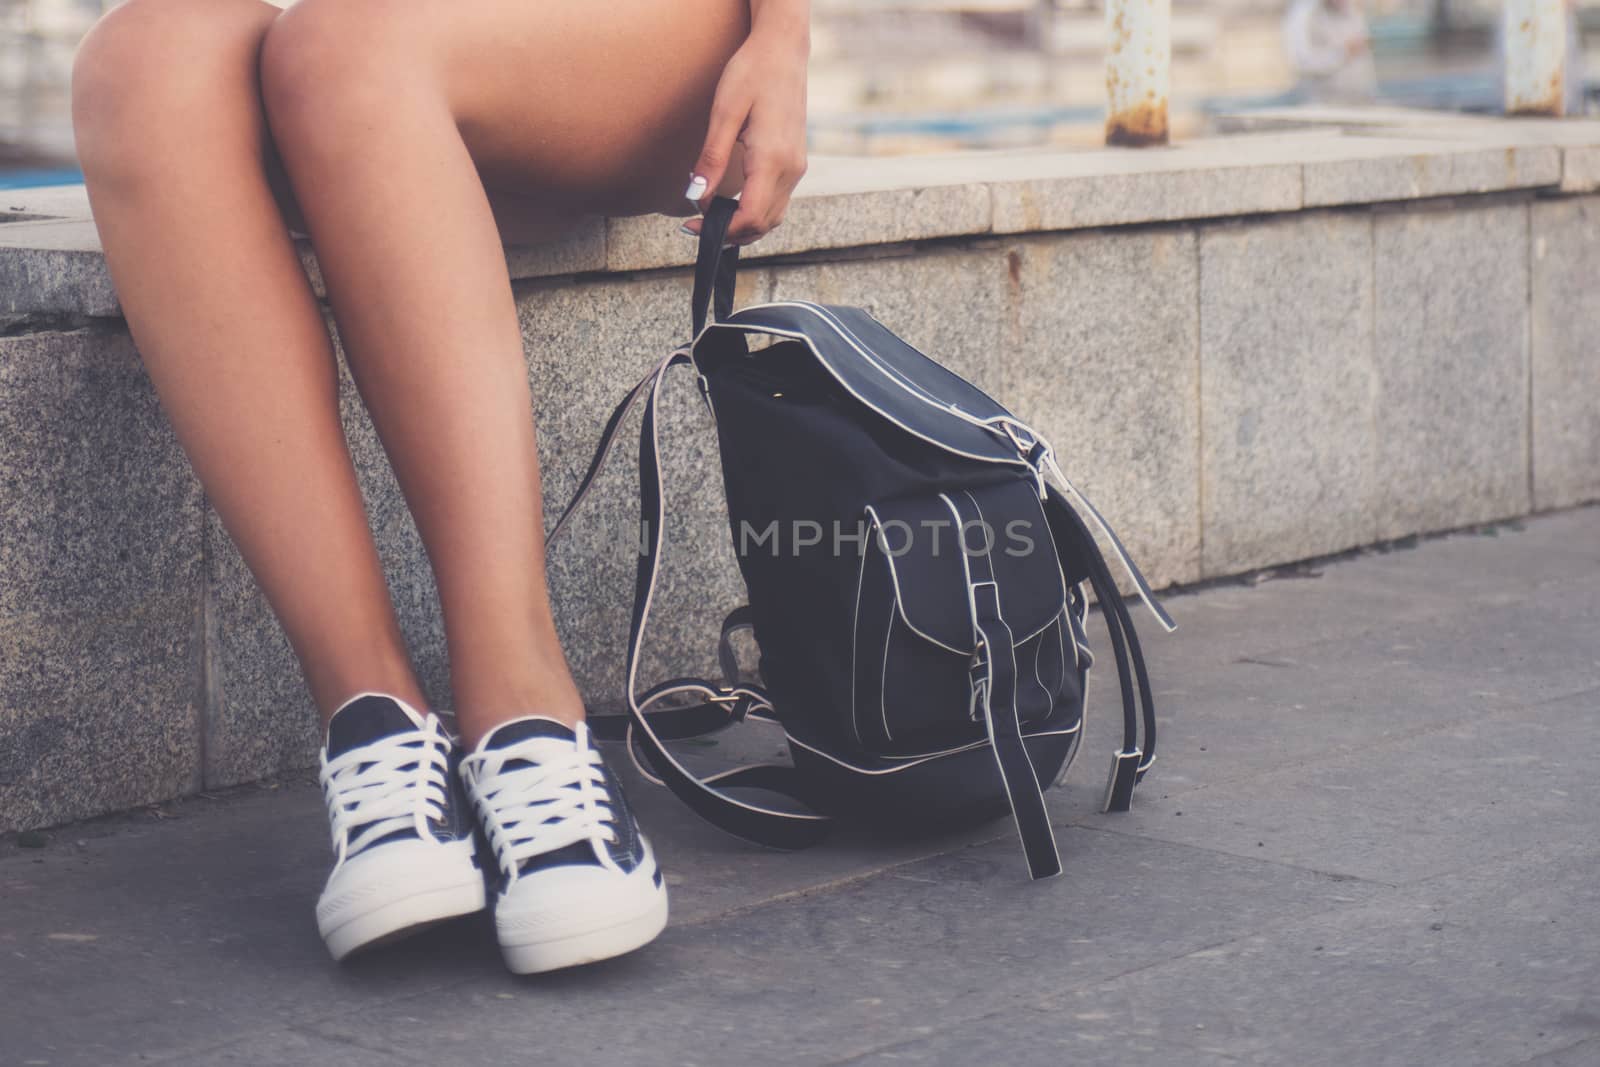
(916, 665)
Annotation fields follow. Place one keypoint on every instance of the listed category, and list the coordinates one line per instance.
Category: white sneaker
(578, 882)
(404, 854)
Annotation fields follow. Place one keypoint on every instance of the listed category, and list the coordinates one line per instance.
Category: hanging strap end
(1125, 771)
(1044, 866)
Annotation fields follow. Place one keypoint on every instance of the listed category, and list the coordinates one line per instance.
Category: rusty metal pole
(1138, 70)
(1535, 36)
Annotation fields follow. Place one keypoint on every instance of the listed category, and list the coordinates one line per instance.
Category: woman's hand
(760, 106)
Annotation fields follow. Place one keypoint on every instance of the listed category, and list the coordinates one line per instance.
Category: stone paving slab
(1401, 870)
(1453, 972)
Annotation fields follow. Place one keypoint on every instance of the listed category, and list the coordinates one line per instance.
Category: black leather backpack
(916, 584)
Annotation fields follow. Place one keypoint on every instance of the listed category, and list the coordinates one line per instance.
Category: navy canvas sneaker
(404, 853)
(578, 882)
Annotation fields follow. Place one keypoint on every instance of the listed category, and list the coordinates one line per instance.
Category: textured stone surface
(100, 585)
(584, 249)
(1286, 390)
(99, 509)
(1343, 171)
(1580, 169)
(51, 267)
(1566, 352)
(1102, 349)
(1415, 891)
(1452, 363)
(581, 250)
(98, 714)
(870, 216)
(1117, 187)
(259, 718)
(1477, 970)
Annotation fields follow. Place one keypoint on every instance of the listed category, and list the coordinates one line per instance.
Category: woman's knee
(153, 74)
(330, 66)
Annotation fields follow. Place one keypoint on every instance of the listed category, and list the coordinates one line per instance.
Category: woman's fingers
(729, 109)
(754, 217)
(767, 189)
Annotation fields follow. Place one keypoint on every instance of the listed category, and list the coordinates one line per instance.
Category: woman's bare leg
(385, 112)
(170, 132)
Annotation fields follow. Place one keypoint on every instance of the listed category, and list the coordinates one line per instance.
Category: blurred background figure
(1330, 51)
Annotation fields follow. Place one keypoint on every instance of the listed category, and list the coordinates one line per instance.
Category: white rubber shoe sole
(525, 955)
(397, 890)
(567, 916)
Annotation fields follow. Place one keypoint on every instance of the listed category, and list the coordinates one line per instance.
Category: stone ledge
(1273, 162)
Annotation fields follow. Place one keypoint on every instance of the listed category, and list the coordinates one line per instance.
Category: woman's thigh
(603, 107)
(567, 107)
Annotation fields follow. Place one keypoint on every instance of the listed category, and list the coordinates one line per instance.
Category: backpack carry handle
(715, 266)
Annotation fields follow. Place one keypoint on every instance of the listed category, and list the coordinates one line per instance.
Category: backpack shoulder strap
(773, 827)
(1131, 762)
(647, 728)
(720, 706)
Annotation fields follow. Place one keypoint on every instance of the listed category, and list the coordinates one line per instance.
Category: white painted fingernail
(684, 229)
(697, 188)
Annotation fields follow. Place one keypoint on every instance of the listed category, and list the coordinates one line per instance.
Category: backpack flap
(890, 377)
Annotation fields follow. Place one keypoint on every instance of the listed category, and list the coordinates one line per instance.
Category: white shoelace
(400, 782)
(556, 797)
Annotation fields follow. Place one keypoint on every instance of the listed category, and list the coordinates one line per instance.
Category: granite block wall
(1233, 393)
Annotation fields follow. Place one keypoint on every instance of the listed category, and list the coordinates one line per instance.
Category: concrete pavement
(1370, 839)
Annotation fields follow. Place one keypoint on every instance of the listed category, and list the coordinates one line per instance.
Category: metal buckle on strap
(738, 700)
(738, 703)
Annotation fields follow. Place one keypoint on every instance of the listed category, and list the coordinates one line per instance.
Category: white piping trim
(855, 632)
(883, 675)
(1061, 645)
(1037, 677)
(1077, 744)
